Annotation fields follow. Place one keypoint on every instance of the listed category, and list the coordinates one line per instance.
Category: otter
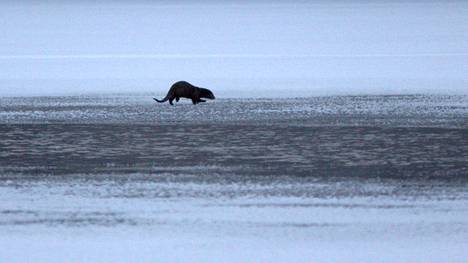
(183, 89)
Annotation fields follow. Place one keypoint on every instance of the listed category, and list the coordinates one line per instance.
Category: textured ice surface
(121, 178)
(398, 110)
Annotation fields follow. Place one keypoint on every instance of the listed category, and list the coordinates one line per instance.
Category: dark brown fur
(183, 89)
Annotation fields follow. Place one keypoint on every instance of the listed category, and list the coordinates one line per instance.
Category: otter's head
(206, 93)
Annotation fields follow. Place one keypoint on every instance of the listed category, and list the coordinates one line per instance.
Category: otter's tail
(163, 100)
(168, 96)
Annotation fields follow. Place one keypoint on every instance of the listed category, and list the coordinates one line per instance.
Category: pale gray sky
(341, 46)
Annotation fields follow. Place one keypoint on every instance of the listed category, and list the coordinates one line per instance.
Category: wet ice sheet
(244, 149)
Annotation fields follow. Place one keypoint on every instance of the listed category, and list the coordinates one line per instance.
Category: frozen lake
(347, 178)
(284, 166)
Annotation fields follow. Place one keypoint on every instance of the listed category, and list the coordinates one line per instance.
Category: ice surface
(393, 110)
(323, 179)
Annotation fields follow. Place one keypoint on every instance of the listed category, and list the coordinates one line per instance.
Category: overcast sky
(341, 46)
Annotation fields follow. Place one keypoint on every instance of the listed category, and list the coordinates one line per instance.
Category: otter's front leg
(201, 100)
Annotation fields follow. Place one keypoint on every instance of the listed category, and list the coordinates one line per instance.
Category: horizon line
(222, 55)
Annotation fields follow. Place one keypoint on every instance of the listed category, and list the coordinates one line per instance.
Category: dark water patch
(277, 150)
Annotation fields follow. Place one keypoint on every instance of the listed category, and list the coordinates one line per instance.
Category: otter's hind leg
(196, 96)
(177, 99)
(170, 101)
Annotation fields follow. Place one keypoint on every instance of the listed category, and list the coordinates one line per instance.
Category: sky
(322, 47)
